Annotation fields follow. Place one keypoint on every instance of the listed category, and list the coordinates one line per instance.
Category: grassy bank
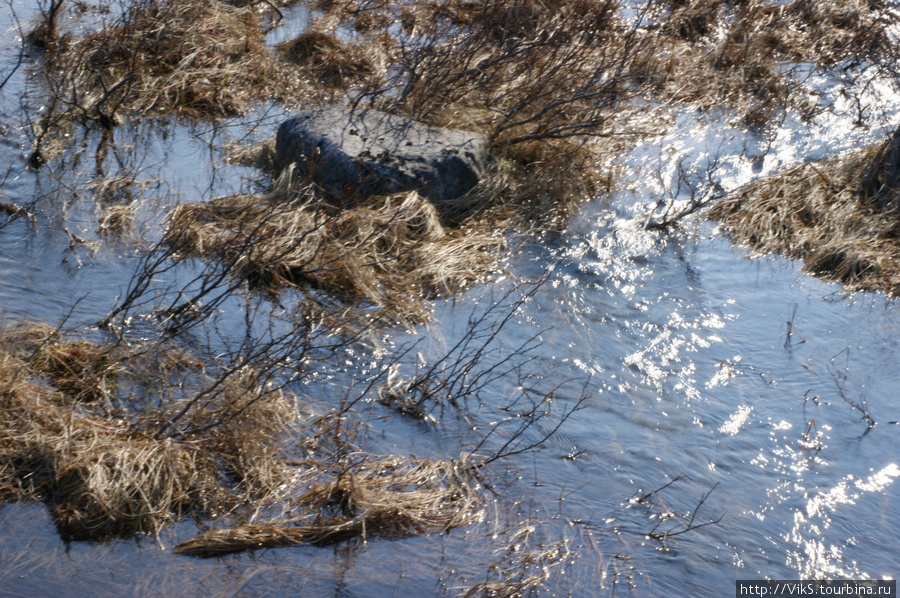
(827, 214)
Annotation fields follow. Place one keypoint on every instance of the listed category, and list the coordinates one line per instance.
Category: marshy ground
(186, 399)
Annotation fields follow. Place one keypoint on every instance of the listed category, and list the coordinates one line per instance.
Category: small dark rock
(365, 152)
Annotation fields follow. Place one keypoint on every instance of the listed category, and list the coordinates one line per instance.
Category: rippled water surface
(760, 402)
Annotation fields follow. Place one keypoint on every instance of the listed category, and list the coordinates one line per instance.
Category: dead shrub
(549, 77)
(517, 88)
(825, 215)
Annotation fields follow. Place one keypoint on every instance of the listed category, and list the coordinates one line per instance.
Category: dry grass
(365, 497)
(824, 33)
(101, 466)
(545, 181)
(99, 477)
(190, 57)
(127, 468)
(392, 251)
(82, 370)
(741, 54)
(259, 154)
(824, 215)
(330, 61)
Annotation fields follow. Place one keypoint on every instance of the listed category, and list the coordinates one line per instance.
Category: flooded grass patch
(77, 437)
(157, 58)
(123, 439)
(391, 251)
(560, 89)
(745, 54)
(825, 214)
(194, 58)
(364, 497)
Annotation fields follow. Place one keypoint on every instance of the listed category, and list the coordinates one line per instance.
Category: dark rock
(351, 152)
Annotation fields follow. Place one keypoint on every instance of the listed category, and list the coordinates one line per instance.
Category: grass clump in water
(105, 467)
(391, 251)
(190, 57)
(827, 214)
(745, 54)
(363, 497)
(124, 466)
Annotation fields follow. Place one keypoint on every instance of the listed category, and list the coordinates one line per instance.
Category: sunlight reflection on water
(690, 378)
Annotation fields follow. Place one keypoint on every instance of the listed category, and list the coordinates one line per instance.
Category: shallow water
(743, 382)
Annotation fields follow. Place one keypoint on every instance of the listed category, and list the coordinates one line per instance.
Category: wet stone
(352, 152)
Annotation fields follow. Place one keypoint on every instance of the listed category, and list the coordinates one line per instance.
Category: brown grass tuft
(385, 497)
(741, 54)
(824, 215)
(191, 57)
(329, 60)
(99, 477)
(549, 179)
(140, 463)
(103, 467)
(83, 371)
(392, 251)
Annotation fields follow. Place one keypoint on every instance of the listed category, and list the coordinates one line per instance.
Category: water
(695, 376)
(743, 389)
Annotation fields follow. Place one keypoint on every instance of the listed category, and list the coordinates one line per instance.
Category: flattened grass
(372, 497)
